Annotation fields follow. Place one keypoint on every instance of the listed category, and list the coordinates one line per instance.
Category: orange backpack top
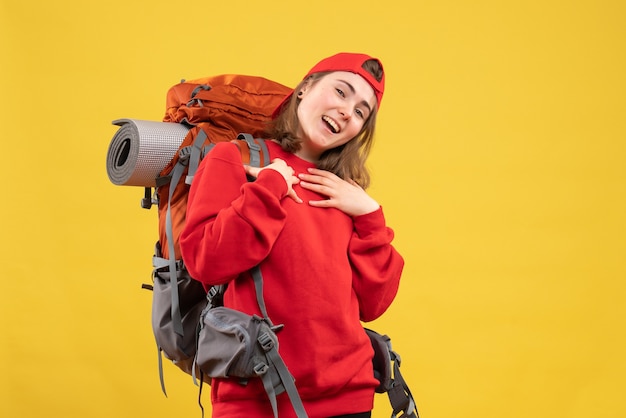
(249, 100)
(218, 108)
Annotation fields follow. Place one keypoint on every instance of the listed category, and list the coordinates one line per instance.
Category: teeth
(331, 123)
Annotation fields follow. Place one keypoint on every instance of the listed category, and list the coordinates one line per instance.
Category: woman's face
(332, 111)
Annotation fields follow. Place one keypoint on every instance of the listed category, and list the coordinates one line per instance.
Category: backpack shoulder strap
(400, 396)
(195, 155)
(387, 371)
(259, 154)
(272, 355)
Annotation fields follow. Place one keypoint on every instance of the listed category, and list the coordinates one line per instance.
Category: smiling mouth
(331, 124)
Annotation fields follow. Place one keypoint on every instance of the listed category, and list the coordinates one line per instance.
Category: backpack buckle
(147, 201)
(193, 102)
(183, 155)
(260, 369)
(215, 294)
(266, 341)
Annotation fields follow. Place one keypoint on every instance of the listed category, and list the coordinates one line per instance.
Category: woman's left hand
(347, 196)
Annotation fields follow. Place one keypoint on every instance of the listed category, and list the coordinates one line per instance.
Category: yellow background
(499, 162)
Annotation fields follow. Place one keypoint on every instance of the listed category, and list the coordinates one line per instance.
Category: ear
(306, 84)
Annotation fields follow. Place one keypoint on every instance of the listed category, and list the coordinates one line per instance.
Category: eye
(360, 113)
(340, 92)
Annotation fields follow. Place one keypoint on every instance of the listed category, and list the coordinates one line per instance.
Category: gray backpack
(177, 304)
(234, 344)
(193, 329)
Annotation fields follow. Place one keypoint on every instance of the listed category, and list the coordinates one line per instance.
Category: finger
(354, 183)
(253, 171)
(292, 194)
(319, 172)
(322, 174)
(318, 188)
(326, 203)
(316, 179)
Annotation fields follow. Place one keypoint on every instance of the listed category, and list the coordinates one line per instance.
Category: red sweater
(323, 273)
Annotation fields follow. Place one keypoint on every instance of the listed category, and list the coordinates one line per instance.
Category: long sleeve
(377, 266)
(230, 219)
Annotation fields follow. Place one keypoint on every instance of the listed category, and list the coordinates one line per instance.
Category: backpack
(215, 109)
(163, 157)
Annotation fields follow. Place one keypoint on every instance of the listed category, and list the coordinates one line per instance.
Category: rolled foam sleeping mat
(140, 149)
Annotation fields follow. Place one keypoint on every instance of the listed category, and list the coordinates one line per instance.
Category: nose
(345, 113)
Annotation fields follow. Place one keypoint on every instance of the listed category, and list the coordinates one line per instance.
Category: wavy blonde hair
(346, 161)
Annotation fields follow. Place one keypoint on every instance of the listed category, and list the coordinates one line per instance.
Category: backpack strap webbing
(257, 277)
(271, 350)
(273, 357)
(400, 396)
(173, 266)
(188, 157)
(196, 152)
(146, 202)
(177, 173)
(255, 150)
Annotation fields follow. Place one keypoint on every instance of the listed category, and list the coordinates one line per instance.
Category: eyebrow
(351, 87)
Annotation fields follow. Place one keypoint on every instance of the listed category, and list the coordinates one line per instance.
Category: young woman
(321, 241)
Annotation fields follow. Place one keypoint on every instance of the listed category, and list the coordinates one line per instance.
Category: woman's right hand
(285, 170)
